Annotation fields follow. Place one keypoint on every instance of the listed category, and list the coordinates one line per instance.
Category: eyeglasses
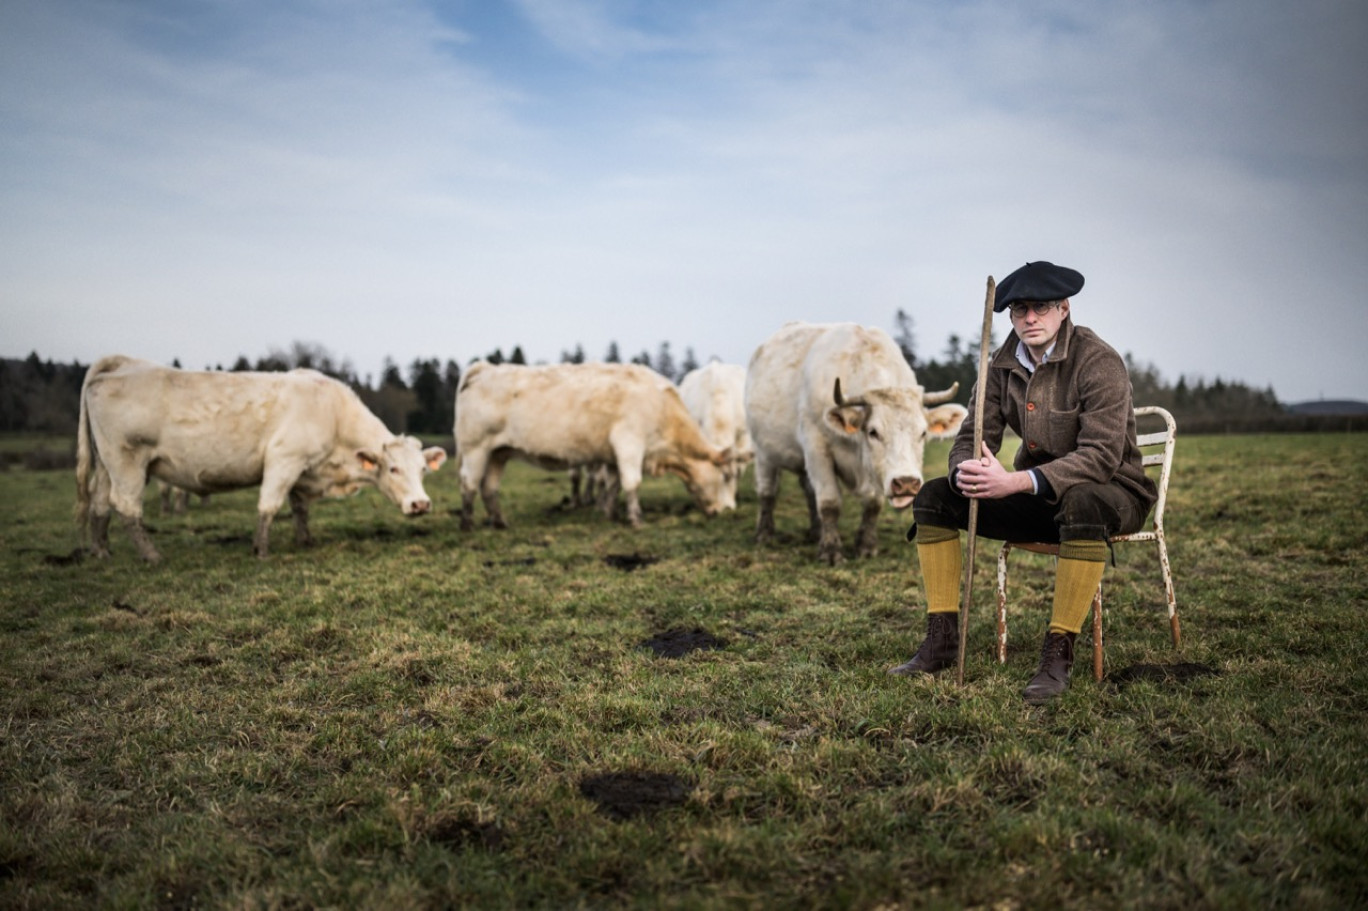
(1039, 308)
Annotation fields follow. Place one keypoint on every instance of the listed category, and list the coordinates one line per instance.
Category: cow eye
(874, 433)
(394, 469)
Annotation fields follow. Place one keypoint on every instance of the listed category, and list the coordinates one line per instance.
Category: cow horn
(839, 400)
(939, 398)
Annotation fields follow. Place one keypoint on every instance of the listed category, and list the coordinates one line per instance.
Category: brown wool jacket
(1074, 415)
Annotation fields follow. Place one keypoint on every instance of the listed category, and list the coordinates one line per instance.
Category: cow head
(889, 428)
(706, 480)
(397, 469)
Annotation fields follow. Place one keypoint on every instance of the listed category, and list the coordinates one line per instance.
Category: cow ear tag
(368, 461)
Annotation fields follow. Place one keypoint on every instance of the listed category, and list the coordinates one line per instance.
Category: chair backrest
(1157, 450)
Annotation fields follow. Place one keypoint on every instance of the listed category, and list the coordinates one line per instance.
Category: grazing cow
(838, 405)
(564, 415)
(299, 435)
(715, 396)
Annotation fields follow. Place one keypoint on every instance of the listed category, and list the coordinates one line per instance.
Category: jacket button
(1030, 406)
(1031, 445)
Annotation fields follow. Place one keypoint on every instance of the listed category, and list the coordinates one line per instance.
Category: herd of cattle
(836, 404)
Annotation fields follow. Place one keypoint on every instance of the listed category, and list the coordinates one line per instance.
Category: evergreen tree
(612, 357)
(905, 337)
(664, 362)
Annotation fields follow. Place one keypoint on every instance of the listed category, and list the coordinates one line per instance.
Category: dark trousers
(1086, 512)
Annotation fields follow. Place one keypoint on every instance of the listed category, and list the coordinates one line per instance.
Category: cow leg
(767, 491)
(299, 509)
(867, 543)
(99, 512)
(127, 481)
(276, 484)
(99, 535)
(141, 540)
(608, 493)
(814, 533)
(630, 456)
(261, 543)
(829, 546)
(489, 490)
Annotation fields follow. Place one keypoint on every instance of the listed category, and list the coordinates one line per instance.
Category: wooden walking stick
(979, 389)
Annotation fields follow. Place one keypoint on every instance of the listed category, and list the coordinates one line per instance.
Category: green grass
(401, 716)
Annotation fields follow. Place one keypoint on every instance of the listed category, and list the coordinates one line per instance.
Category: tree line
(39, 396)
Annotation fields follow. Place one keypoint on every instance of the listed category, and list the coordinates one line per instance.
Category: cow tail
(84, 451)
(85, 442)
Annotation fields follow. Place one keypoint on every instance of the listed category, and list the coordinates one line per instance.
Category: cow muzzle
(418, 508)
(902, 491)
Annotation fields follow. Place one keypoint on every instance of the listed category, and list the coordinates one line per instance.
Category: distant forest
(38, 396)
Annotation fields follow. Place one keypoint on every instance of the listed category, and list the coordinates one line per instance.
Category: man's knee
(938, 504)
(1089, 512)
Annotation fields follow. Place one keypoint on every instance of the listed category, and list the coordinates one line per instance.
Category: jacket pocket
(1061, 432)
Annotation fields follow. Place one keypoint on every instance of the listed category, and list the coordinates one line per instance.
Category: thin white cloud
(380, 178)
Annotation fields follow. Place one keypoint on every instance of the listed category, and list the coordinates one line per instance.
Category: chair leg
(1002, 603)
(1168, 586)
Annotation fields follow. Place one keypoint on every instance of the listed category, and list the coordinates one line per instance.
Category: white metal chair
(1157, 449)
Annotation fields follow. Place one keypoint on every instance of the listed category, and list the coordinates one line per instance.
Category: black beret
(1038, 281)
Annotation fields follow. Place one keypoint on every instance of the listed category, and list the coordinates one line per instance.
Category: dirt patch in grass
(677, 643)
(1160, 673)
(461, 832)
(629, 562)
(71, 559)
(622, 795)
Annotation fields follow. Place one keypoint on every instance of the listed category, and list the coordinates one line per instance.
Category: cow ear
(369, 462)
(846, 418)
(721, 457)
(435, 456)
(944, 421)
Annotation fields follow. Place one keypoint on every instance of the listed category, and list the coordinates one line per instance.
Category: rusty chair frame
(1157, 449)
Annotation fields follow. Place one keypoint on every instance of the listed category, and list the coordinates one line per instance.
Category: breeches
(1086, 512)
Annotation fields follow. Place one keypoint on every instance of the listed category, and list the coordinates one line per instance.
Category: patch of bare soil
(677, 643)
(463, 832)
(622, 795)
(629, 562)
(1160, 673)
(71, 559)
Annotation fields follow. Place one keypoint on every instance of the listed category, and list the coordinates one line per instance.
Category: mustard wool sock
(942, 565)
(1076, 580)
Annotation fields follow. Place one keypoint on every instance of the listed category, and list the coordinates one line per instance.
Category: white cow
(300, 435)
(838, 405)
(564, 415)
(715, 396)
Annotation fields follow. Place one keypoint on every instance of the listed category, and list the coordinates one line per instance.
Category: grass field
(406, 716)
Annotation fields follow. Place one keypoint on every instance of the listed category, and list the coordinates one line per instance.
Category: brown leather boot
(1056, 658)
(940, 648)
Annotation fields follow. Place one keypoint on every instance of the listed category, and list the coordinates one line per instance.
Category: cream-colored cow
(838, 405)
(564, 415)
(300, 435)
(715, 396)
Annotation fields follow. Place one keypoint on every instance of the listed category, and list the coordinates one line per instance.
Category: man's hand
(986, 479)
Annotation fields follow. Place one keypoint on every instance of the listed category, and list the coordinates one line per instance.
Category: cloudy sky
(203, 179)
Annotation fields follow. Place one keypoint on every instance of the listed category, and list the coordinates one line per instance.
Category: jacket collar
(1006, 355)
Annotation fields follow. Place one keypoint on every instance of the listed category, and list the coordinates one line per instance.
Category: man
(1078, 476)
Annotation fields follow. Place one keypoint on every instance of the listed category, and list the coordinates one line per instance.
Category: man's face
(1037, 322)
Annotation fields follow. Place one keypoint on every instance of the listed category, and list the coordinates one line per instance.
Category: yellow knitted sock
(942, 564)
(1076, 580)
